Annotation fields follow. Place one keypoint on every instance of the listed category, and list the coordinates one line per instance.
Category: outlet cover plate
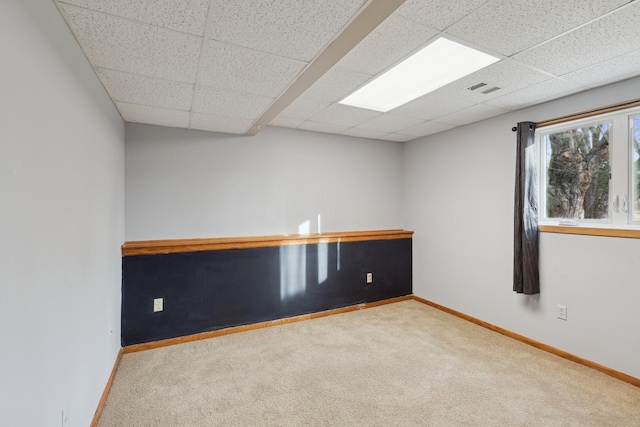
(158, 304)
(369, 277)
(562, 312)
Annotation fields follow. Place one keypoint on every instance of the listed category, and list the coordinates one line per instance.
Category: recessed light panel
(438, 64)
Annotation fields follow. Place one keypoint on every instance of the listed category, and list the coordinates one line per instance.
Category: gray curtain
(526, 276)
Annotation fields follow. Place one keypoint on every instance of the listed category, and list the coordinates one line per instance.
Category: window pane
(635, 178)
(578, 172)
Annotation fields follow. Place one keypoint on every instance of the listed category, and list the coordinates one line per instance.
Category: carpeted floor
(402, 364)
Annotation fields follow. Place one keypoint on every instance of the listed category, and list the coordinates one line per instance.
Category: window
(634, 137)
(590, 171)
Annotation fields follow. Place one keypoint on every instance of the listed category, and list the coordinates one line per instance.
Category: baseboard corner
(107, 388)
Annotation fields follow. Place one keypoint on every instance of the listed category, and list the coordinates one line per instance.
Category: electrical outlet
(369, 277)
(562, 312)
(158, 304)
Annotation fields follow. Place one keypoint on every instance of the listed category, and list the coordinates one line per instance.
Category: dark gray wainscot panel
(210, 290)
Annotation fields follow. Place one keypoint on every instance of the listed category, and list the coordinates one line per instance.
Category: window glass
(578, 172)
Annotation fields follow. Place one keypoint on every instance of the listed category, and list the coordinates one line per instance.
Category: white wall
(61, 222)
(186, 184)
(458, 198)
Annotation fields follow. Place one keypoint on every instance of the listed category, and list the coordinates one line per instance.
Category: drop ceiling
(236, 66)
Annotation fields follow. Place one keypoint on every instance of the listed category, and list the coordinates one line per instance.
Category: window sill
(590, 231)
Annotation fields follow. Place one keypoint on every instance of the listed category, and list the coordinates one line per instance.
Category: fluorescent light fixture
(436, 65)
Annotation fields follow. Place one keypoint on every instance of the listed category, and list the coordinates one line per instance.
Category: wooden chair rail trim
(591, 231)
(549, 349)
(254, 326)
(107, 389)
(151, 247)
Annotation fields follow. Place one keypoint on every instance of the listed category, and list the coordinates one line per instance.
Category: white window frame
(620, 158)
(631, 154)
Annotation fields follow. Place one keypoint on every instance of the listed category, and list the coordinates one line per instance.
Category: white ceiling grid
(142, 90)
(531, 95)
(395, 39)
(186, 16)
(229, 66)
(511, 26)
(327, 90)
(389, 123)
(611, 36)
(153, 115)
(219, 65)
(290, 28)
(438, 14)
(615, 69)
(472, 114)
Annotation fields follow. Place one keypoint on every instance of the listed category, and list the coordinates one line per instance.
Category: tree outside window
(578, 172)
(590, 171)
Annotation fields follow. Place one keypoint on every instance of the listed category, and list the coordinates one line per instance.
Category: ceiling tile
(438, 14)
(247, 70)
(472, 114)
(219, 124)
(545, 91)
(336, 84)
(135, 89)
(389, 123)
(153, 115)
(332, 86)
(284, 122)
(364, 133)
(226, 103)
(290, 28)
(509, 75)
(147, 54)
(396, 137)
(344, 115)
(611, 36)
(615, 69)
(431, 106)
(189, 16)
(322, 127)
(427, 128)
(393, 40)
(510, 26)
(124, 45)
(303, 108)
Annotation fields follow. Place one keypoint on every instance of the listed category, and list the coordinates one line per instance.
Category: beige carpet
(403, 364)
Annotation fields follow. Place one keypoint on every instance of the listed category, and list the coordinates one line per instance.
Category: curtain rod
(588, 113)
(531, 125)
